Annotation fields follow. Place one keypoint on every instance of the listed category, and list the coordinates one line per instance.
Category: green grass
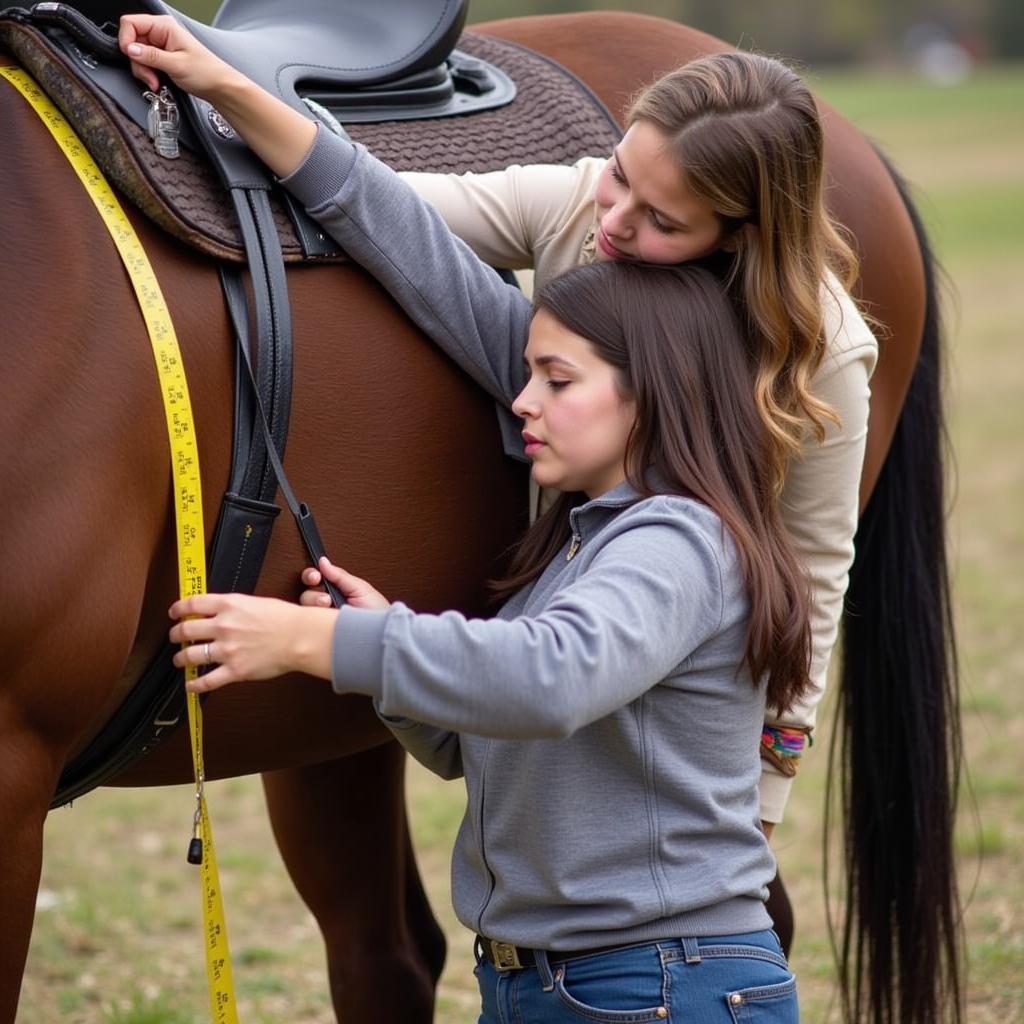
(907, 103)
(140, 1009)
(121, 943)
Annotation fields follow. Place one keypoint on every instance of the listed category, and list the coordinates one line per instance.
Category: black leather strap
(235, 294)
(249, 182)
(247, 515)
(272, 316)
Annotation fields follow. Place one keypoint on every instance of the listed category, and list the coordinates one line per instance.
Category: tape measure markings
(188, 504)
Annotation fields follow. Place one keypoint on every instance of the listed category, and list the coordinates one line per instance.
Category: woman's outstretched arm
(459, 302)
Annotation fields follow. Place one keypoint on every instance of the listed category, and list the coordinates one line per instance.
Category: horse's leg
(26, 785)
(343, 834)
(57, 639)
(780, 910)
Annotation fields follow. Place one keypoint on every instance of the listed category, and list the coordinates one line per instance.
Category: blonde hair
(745, 133)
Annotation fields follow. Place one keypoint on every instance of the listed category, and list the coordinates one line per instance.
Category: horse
(89, 570)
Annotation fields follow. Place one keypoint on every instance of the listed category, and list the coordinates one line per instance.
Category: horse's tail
(897, 744)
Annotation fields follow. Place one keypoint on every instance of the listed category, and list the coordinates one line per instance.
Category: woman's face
(576, 422)
(645, 209)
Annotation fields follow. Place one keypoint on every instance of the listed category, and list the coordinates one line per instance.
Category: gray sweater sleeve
(454, 298)
(437, 749)
(650, 596)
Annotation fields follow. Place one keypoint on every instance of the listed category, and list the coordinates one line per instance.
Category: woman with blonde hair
(723, 159)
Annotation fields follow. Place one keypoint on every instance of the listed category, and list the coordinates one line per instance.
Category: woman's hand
(277, 134)
(357, 592)
(250, 638)
(157, 42)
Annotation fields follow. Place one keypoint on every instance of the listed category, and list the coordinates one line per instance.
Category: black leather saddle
(385, 60)
(346, 43)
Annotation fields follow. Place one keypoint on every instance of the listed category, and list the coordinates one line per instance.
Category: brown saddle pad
(553, 119)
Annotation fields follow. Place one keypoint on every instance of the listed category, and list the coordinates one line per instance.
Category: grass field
(117, 937)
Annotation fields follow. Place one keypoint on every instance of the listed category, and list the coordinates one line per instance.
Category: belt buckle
(505, 956)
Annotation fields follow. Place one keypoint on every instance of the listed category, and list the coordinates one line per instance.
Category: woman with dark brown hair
(611, 860)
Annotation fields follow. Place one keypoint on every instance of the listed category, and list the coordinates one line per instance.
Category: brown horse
(89, 570)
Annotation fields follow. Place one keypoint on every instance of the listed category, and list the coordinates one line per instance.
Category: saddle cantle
(553, 118)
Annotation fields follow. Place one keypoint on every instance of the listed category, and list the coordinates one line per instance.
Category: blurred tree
(1007, 28)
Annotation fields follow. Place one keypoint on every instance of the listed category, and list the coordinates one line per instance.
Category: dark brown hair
(672, 335)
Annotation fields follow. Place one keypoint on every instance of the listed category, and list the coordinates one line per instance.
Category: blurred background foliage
(836, 32)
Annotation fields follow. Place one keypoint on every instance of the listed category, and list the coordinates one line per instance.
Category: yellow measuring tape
(188, 502)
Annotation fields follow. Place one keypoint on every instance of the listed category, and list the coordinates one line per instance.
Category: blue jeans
(728, 979)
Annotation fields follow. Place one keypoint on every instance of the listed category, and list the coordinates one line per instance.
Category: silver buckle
(505, 956)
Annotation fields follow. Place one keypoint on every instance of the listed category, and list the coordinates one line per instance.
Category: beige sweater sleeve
(524, 216)
(540, 216)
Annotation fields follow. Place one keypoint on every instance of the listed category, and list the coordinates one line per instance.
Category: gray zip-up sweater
(605, 725)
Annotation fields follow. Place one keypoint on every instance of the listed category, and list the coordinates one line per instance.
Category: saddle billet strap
(234, 293)
(273, 333)
(249, 184)
(247, 515)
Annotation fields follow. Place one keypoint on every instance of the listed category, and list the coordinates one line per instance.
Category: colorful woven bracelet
(783, 746)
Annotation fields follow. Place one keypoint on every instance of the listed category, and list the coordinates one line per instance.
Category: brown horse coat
(391, 445)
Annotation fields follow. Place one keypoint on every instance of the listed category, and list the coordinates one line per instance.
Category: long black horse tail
(896, 749)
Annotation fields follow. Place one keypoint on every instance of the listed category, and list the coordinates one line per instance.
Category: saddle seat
(328, 45)
(337, 43)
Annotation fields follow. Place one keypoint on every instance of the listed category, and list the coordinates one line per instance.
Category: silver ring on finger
(207, 654)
